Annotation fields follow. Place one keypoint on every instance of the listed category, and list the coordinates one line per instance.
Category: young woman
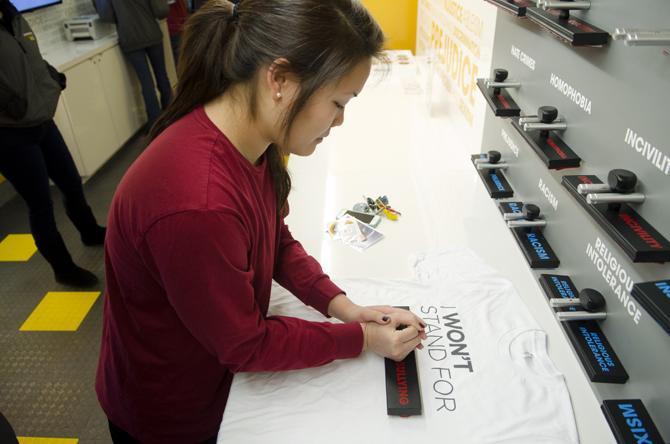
(196, 231)
(32, 150)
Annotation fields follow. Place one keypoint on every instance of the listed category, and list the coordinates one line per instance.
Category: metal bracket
(551, 4)
(601, 198)
(642, 37)
(560, 126)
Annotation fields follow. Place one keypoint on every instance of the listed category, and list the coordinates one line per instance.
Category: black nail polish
(385, 319)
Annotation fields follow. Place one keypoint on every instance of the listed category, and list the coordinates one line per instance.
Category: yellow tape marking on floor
(60, 311)
(17, 248)
(31, 440)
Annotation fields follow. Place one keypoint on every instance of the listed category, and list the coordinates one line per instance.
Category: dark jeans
(138, 59)
(119, 436)
(175, 40)
(28, 158)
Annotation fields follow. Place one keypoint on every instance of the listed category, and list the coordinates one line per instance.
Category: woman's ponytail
(201, 69)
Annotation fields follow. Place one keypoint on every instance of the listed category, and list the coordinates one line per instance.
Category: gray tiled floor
(47, 378)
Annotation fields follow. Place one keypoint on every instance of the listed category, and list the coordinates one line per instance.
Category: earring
(279, 95)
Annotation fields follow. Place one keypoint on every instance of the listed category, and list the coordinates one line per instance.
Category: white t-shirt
(484, 373)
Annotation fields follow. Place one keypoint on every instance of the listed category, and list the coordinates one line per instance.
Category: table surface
(68, 54)
(392, 144)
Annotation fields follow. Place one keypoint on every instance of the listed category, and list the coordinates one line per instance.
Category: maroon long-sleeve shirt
(193, 243)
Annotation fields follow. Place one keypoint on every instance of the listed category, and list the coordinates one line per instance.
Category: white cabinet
(89, 115)
(100, 109)
(122, 92)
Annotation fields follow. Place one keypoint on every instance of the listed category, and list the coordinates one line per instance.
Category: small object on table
(378, 206)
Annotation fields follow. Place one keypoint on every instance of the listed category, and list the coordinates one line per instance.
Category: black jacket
(136, 21)
(29, 86)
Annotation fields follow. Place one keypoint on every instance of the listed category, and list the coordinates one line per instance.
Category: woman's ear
(276, 78)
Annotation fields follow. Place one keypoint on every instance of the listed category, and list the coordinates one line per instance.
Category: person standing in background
(140, 37)
(32, 150)
(176, 19)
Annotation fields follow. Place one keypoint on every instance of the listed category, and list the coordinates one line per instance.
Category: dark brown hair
(321, 39)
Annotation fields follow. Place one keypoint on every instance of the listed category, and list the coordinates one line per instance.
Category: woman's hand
(383, 314)
(388, 341)
(378, 313)
(345, 310)
(342, 308)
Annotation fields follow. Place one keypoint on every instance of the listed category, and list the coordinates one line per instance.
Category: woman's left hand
(376, 313)
(345, 310)
(383, 314)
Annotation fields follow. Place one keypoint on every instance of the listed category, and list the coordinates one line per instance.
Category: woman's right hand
(388, 342)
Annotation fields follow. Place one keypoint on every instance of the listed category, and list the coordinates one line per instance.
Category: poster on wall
(455, 37)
